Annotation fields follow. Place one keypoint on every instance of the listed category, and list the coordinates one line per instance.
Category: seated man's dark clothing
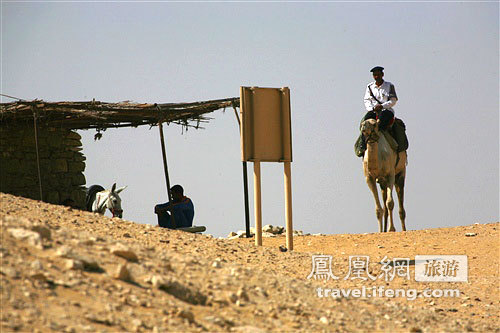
(183, 212)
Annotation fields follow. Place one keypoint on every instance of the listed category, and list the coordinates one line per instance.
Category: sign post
(288, 204)
(266, 136)
(257, 203)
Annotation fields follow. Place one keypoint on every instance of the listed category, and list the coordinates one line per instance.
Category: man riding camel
(380, 98)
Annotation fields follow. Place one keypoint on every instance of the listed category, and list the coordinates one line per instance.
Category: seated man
(181, 208)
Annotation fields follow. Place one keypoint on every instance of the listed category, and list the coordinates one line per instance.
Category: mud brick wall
(61, 164)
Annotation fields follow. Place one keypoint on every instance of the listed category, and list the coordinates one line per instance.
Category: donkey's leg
(99, 205)
(390, 202)
(94, 204)
(400, 190)
(378, 209)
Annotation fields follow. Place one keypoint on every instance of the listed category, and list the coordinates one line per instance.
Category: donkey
(98, 200)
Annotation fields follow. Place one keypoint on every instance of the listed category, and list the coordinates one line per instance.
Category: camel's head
(369, 128)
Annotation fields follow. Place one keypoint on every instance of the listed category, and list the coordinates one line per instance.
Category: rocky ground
(65, 270)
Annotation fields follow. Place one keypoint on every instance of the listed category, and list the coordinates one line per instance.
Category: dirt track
(62, 270)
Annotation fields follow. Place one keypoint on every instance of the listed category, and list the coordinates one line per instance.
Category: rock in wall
(61, 164)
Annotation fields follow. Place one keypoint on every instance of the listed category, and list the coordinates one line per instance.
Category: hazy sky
(442, 58)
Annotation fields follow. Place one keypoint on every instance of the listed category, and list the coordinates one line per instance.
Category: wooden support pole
(288, 205)
(257, 203)
(35, 127)
(245, 194)
(245, 184)
(165, 168)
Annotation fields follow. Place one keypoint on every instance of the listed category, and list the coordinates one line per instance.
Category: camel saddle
(392, 142)
(395, 136)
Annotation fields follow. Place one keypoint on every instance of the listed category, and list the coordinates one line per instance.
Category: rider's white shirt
(386, 94)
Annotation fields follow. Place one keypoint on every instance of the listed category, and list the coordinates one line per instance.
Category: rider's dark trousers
(385, 117)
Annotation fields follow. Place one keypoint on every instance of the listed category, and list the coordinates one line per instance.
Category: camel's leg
(378, 208)
(390, 206)
(383, 190)
(386, 213)
(400, 190)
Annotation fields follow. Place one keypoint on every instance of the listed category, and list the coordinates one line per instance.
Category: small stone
(37, 265)
(283, 248)
(87, 242)
(233, 298)
(267, 228)
(74, 264)
(157, 281)
(324, 320)
(235, 272)
(9, 272)
(470, 234)
(43, 231)
(89, 264)
(416, 330)
(231, 234)
(38, 276)
(122, 273)
(216, 264)
(121, 250)
(241, 294)
(261, 291)
(186, 314)
(100, 318)
(33, 238)
(248, 329)
(127, 235)
(137, 323)
(64, 251)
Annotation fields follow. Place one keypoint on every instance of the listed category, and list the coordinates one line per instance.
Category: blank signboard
(266, 127)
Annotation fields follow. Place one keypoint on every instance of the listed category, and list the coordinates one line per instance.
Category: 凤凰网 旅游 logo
(441, 268)
(428, 268)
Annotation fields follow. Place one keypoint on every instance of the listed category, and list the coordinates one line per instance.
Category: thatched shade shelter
(102, 115)
(41, 152)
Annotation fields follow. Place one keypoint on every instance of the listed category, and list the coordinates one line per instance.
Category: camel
(381, 165)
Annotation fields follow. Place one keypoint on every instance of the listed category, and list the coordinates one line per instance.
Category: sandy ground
(65, 270)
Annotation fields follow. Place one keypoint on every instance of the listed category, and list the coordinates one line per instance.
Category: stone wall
(61, 164)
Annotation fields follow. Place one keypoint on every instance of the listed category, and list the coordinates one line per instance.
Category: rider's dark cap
(377, 69)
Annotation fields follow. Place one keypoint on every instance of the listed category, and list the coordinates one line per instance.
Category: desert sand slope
(66, 270)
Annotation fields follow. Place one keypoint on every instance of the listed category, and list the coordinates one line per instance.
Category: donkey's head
(114, 202)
